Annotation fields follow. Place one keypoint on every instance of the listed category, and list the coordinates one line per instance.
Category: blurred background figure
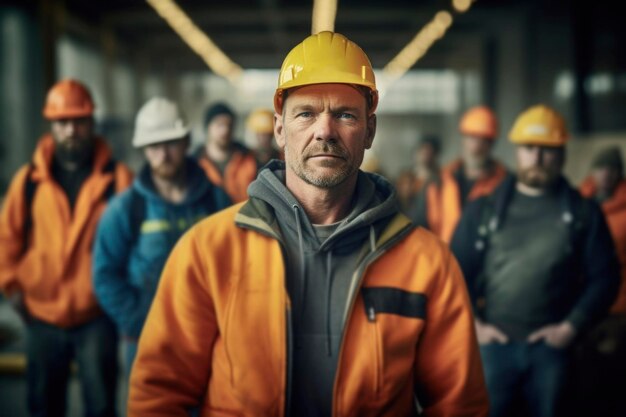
(371, 163)
(477, 173)
(425, 207)
(227, 163)
(405, 189)
(261, 123)
(47, 226)
(601, 361)
(140, 227)
(540, 267)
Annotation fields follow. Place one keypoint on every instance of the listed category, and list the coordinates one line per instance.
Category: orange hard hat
(479, 121)
(68, 99)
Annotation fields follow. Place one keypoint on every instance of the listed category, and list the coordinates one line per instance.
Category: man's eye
(345, 116)
(305, 114)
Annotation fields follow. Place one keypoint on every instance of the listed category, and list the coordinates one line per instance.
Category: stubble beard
(298, 164)
(537, 177)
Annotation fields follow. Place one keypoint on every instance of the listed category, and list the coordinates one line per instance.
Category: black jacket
(592, 273)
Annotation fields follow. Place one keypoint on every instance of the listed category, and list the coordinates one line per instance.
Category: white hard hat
(158, 121)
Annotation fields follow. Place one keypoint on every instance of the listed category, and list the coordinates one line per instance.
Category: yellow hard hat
(479, 121)
(261, 120)
(539, 125)
(324, 58)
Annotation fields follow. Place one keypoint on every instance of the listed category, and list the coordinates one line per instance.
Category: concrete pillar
(23, 89)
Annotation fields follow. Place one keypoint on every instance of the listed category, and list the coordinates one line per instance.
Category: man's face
(539, 166)
(167, 159)
(425, 155)
(605, 178)
(405, 185)
(476, 151)
(324, 130)
(73, 137)
(220, 130)
(264, 140)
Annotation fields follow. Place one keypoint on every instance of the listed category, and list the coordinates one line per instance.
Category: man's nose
(70, 128)
(325, 127)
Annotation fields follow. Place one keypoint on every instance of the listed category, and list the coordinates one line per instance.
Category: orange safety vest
(451, 204)
(54, 272)
(239, 173)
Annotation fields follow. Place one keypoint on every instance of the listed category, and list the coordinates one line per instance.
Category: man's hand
(558, 336)
(487, 333)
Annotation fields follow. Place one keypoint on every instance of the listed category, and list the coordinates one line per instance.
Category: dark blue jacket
(128, 258)
(590, 281)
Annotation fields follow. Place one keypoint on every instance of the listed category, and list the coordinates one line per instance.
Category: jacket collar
(44, 154)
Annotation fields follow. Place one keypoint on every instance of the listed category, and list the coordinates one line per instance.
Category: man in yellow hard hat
(540, 266)
(476, 173)
(47, 226)
(315, 297)
(261, 123)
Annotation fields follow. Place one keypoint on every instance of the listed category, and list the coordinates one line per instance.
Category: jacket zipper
(357, 278)
(289, 324)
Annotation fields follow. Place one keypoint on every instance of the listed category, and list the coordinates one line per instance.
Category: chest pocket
(387, 300)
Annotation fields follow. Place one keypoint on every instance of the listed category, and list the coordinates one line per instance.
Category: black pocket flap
(393, 301)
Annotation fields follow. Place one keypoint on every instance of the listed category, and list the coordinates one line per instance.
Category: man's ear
(371, 131)
(279, 132)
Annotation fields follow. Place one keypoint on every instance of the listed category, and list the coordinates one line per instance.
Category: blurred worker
(476, 173)
(261, 123)
(405, 189)
(140, 226)
(540, 267)
(371, 163)
(227, 163)
(47, 227)
(316, 297)
(425, 208)
(601, 363)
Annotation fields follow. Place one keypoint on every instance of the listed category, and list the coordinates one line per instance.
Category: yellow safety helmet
(479, 121)
(325, 58)
(261, 120)
(539, 125)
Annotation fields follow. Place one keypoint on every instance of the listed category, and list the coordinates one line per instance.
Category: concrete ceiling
(258, 33)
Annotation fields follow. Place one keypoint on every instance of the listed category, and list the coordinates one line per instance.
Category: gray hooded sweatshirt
(320, 265)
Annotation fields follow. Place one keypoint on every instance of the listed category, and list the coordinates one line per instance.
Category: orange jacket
(54, 274)
(217, 334)
(615, 213)
(432, 194)
(239, 173)
(451, 205)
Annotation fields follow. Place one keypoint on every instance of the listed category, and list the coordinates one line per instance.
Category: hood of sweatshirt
(319, 274)
(373, 204)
